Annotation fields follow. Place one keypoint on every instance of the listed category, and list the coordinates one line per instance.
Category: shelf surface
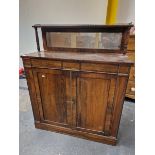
(81, 57)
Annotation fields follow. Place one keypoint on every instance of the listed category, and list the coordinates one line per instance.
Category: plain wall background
(56, 12)
(64, 12)
(126, 11)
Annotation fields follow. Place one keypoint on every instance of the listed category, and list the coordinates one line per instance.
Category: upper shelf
(88, 28)
(85, 38)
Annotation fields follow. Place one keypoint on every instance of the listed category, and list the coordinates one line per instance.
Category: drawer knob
(43, 76)
(132, 89)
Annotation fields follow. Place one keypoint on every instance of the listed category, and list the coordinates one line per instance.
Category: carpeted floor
(39, 142)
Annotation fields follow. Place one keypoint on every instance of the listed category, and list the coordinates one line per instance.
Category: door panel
(83, 101)
(54, 89)
(94, 101)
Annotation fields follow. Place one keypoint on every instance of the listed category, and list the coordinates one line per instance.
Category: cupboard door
(54, 93)
(95, 97)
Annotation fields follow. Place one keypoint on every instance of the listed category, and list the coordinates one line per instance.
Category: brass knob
(43, 76)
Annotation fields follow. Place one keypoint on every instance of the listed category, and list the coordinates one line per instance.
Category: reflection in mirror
(110, 40)
(84, 40)
(58, 39)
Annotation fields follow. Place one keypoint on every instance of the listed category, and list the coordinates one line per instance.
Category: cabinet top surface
(82, 57)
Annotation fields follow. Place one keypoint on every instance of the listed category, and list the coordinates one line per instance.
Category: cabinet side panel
(118, 103)
(32, 93)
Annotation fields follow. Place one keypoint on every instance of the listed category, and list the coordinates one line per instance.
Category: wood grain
(75, 91)
(81, 57)
(64, 41)
(131, 56)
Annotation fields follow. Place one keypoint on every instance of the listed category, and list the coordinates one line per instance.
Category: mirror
(84, 40)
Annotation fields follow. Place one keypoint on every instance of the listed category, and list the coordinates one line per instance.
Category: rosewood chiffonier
(77, 84)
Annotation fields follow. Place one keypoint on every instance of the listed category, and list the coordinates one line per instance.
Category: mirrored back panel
(84, 38)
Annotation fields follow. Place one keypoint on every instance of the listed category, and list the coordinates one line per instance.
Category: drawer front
(132, 74)
(71, 65)
(99, 67)
(124, 69)
(27, 62)
(46, 63)
(131, 88)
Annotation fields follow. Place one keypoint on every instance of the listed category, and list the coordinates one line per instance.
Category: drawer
(99, 67)
(124, 69)
(46, 63)
(131, 43)
(132, 74)
(71, 65)
(26, 62)
(131, 87)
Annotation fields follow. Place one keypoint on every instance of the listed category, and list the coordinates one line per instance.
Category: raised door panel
(54, 93)
(95, 94)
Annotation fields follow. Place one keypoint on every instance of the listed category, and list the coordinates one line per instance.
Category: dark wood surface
(72, 98)
(37, 39)
(79, 93)
(81, 57)
(85, 27)
(130, 92)
(94, 110)
(119, 28)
